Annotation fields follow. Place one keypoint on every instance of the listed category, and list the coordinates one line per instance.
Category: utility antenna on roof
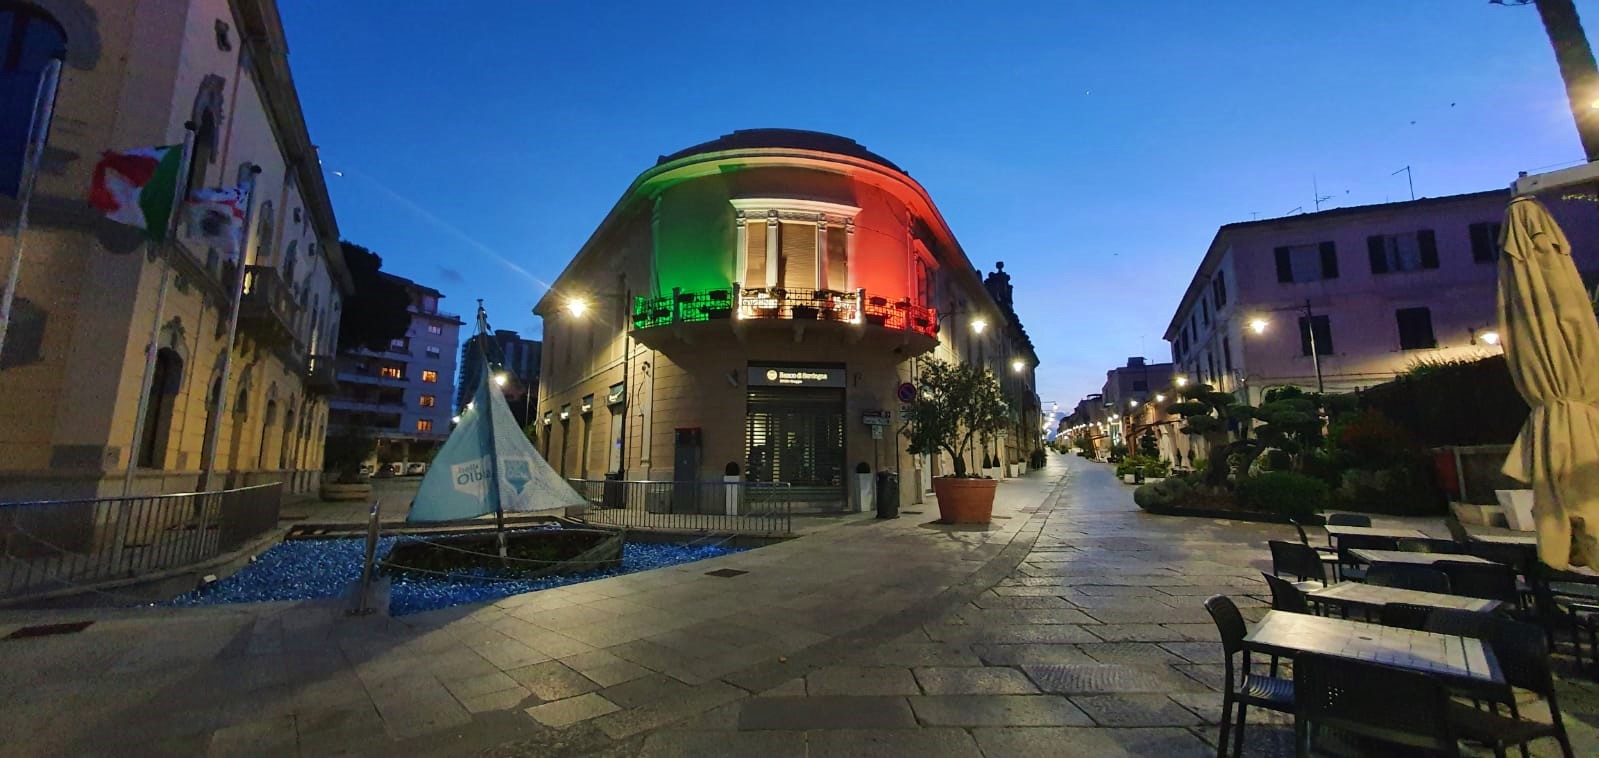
(1300, 209)
(1408, 180)
(1315, 191)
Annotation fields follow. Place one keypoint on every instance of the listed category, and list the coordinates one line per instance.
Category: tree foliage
(1208, 413)
(955, 405)
(378, 312)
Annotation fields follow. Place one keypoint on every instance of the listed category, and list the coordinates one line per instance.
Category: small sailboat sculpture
(487, 465)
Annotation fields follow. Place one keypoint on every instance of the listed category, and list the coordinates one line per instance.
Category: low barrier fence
(48, 545)
(734, 507)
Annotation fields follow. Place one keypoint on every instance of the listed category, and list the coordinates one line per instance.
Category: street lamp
(978, 325)
(1159, 398)
(1259, 323)
(1182, 381)
(499, 379)
(1488, 336)
(576, 306)
(1017, 365)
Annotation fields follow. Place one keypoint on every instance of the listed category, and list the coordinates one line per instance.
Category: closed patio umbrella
(1552, 346)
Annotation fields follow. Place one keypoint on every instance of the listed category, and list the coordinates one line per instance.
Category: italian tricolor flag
(137, 187)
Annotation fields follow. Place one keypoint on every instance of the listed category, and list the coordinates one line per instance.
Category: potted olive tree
(956, 405)
(342, 456)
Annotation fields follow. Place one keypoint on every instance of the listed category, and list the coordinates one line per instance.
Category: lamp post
(1258, 325)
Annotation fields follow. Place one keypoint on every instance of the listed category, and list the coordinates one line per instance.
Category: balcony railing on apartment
(268, 304)
(785, 304)
(48, 546)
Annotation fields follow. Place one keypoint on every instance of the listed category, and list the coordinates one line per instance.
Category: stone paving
(1073, 626)
(1096, 643)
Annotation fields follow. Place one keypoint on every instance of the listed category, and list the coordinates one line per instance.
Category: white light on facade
(1258, 325)
(1018, 365)
(1132, 403)
(1491, 337)
(499, 379)
(1160, 398)
(1182, 381)
(978, 325)
(576, 307)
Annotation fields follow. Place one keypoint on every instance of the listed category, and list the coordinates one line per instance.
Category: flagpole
(220, 405)
(44, 103)
(488, 425)
(158, 254)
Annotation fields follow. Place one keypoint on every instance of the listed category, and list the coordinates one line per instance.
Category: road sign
(906, 392)
(875, 418)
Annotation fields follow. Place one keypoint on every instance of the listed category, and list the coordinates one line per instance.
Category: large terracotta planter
(964, 501)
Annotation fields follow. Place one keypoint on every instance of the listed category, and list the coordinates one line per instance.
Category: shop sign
(876, 418)
(794, 376)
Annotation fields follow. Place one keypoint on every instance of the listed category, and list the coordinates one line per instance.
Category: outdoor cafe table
(1524, 540)
(1405, 556)
(1361, 595)
(1461, 660)
(1371, 531)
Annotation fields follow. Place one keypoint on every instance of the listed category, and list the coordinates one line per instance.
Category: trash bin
(887, 494)
(612, 496)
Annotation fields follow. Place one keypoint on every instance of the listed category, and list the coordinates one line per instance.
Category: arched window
(164, 384)
(29, 40)
(204, 150)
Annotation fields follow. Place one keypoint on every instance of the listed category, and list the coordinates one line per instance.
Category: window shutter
(1329, 260)
(1481, 250)
(1304, 336)
(1285, 267)
(1378, 254)
(755, 253)
(1221, 287)
(797, 266)
(1415, 328)
(1323, 327)
(837, 260)
(1429, 248)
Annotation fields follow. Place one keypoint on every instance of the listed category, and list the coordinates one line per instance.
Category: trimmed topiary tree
(1206, 414)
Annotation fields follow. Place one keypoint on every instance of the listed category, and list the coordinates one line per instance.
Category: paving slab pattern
(1073, 626)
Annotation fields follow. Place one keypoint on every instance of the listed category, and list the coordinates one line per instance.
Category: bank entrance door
(796, 435)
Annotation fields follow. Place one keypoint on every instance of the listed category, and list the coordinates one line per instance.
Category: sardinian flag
(216, 218)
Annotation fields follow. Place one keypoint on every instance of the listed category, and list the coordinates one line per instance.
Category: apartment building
(402, 394)
(1375, 289)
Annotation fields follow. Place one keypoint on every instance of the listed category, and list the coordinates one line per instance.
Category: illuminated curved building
(759, 300)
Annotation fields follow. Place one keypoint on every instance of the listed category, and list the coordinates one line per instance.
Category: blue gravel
(310, 569)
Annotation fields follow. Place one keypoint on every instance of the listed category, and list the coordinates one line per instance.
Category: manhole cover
(46, 630)
(1081, 678)
(726, 573)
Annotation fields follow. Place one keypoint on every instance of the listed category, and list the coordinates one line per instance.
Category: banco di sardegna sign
(795, 376)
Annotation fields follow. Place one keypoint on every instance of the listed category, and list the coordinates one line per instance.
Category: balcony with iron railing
(319, 375)
(268, 308)
(850, 309)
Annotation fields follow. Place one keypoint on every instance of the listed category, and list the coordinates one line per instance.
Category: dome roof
(744, 139)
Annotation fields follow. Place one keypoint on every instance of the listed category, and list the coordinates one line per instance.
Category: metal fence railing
(48, 545)
(732, 507)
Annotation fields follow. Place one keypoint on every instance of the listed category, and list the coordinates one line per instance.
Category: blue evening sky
(1091, 146)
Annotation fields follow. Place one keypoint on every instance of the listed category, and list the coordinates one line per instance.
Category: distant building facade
(759, 300)
(402, 394)
(1383, 286)
(73, 363)
(511, 353)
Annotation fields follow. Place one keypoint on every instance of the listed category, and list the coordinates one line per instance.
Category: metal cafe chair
(1296, 560)
(1405, 615)
(1327, 553)
(1350, 567)
(1348, 519)
(1407, 576)
(1490, 581)
(1457, 530)
(1373, 701)
(1242, 689)
(1523, 657)
(1285, 595)
(1429, 545)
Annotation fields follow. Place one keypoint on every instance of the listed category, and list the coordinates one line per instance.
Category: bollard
(365, 590)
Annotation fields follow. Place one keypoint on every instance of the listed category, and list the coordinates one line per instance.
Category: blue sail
(488, 464)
